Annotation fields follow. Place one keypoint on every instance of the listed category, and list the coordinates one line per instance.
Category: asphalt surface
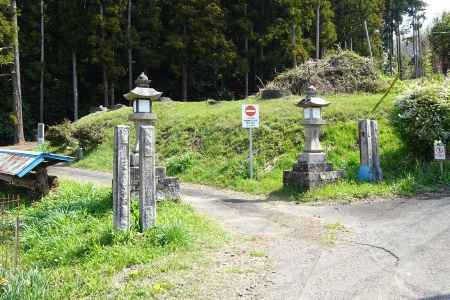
(390, 249)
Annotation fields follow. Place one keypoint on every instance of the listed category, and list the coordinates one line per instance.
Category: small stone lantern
(311, 169)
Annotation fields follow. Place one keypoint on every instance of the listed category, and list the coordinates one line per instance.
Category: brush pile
(340, 72)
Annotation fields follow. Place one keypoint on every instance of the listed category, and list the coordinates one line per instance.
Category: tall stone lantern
(311, 169)
(141, 97)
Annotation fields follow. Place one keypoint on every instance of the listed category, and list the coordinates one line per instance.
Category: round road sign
(250, 111)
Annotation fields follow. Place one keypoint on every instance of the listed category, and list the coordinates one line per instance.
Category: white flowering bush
(422, 116)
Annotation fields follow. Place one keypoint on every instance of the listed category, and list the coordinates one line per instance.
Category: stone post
(121, 179)
(147, 191)
(41, 134)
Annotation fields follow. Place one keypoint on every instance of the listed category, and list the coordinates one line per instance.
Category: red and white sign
(250, 116)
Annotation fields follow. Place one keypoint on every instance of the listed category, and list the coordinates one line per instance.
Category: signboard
(250, 116)
(439, 151)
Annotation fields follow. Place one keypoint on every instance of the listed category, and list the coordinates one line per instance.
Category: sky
(435, 9)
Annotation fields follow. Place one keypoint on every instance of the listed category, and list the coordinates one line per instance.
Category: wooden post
(365, 143)
(147, 192)
(121, 179)
(377, 171)
(369, 151)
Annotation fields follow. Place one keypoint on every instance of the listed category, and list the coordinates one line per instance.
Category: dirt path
(28, 146)
(398, 249)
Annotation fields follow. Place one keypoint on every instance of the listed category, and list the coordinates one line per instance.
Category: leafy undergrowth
(205, 144)
(70, 251)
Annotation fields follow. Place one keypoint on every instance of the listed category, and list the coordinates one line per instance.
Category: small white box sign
(439, 151)
(250, 116)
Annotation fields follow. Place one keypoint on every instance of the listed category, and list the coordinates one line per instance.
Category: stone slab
(305, 181)
(314, 167)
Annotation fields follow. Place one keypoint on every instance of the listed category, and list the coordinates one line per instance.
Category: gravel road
(390, 249)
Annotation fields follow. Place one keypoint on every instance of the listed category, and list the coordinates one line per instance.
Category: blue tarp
(20, 163)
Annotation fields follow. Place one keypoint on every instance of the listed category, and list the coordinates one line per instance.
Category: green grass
(205, 144)
(70, 251)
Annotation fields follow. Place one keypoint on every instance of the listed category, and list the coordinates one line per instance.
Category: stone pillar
(121, 179)
(41, 134)
(147, 191)
(140, 119)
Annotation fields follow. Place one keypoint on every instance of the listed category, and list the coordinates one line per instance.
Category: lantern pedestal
(305, 176)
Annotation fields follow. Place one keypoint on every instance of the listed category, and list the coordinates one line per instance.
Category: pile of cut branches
(339, 72)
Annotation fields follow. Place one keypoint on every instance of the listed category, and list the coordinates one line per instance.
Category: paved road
(396, 249)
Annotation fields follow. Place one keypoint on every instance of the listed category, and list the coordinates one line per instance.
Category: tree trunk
(75, 85)
(246, 57)
(17, 88)
(419, 49)
(318, 32)
(184, 81)
(130, 49)
(247, 71)
(399, 52)
(41, 98)
(294, 44)
(113, 94)
(105, 75)
(368, 39)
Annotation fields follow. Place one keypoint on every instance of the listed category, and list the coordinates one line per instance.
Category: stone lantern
(142, 98)
(311, 169)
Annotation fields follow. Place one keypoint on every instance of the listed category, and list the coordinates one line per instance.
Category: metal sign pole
(251, 152)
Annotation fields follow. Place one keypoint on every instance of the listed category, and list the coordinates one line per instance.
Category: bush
(61, 136)
(89, 136)
(179, 163)
(422, 116)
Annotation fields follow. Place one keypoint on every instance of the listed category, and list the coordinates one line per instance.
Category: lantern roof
(143, 90)
(311, 100)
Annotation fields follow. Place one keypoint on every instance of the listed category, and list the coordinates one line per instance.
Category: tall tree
(130, 46)
(41, 90)
(17, 87)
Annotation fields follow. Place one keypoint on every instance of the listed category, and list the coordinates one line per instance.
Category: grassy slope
(69, 250)
(205, 144)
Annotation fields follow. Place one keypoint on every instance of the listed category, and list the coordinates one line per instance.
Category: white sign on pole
(439, 151)
(250, 116)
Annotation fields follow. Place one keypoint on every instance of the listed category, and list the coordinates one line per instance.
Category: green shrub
(422, 116)
(89, 136)
(61, 135)
(179, 163)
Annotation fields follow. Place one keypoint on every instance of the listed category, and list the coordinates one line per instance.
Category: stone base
(167, 188)
(306, 176)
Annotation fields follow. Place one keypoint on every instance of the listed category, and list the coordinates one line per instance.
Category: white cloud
(435, 9)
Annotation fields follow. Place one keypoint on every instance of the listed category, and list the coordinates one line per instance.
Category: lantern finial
(143, 81)
(311, 91)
